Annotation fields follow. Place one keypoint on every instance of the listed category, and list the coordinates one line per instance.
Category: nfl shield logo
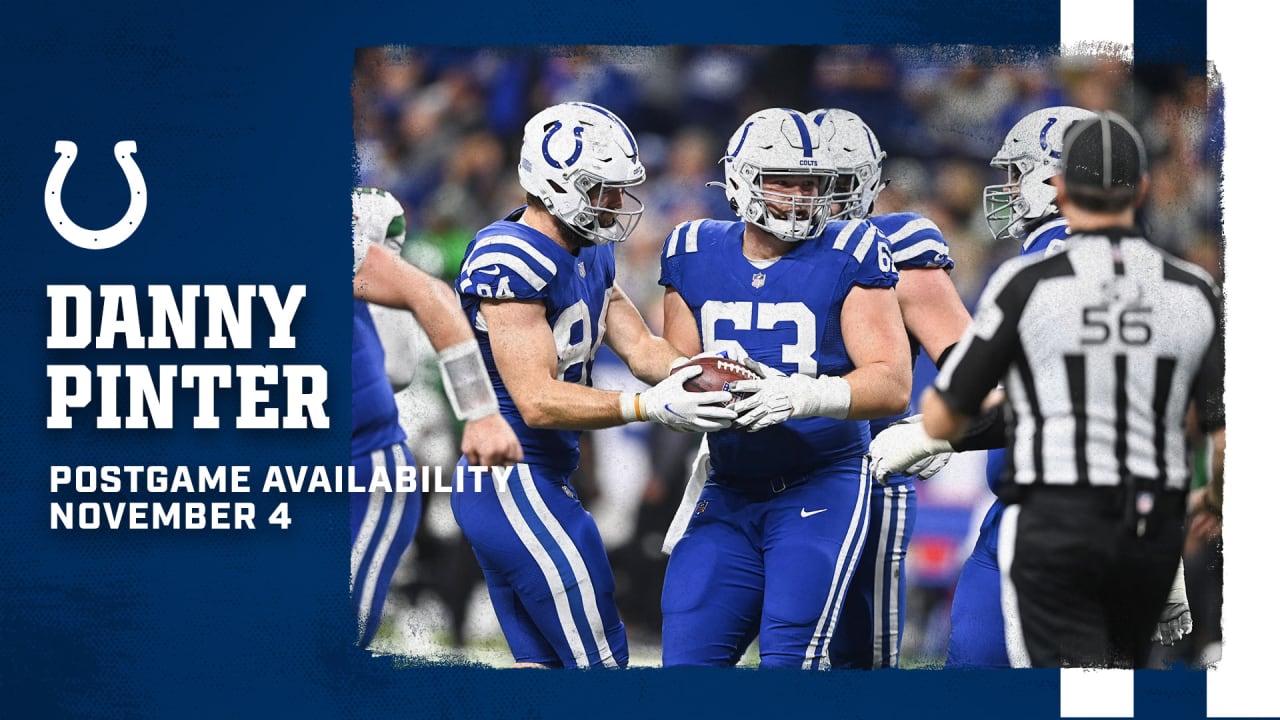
(582, 270)
(701, 506)
(757, 280)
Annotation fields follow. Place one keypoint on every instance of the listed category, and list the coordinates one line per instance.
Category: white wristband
(826, 396)
(632, 407)
(466, 382)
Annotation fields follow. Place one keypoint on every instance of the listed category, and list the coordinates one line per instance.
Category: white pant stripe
(565, 543)
(368, 524)
(890, 546)
(1014, 643)
(559, 594)
(847, 560)
(383, 548)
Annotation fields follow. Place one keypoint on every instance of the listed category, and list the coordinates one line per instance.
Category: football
(716, 375)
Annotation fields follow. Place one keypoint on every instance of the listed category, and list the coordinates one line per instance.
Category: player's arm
(962, 389)
(874, 336)
(383, 278)
(931, 309)
(679, 327)
(648, 356)
(524, 351)
(879, 385)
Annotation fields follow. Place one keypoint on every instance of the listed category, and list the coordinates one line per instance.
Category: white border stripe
(559, 594)
(674, 239)
(816, 656)
(383, 548)
(1096, 693)
(585, 587)
(1085, 23)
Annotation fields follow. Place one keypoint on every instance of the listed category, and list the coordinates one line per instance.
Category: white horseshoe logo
(95, 239)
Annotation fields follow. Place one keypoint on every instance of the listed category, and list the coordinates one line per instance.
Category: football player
(382, 524)
(778, 527)
(869, 634)
(538, 287)
(1022, 209)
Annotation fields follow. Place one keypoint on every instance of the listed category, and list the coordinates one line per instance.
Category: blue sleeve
(917, 243)
(672, 257)
(505, 268)
(870, 264)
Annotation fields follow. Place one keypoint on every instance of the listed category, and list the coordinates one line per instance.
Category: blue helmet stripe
(625, 130)
(871, 141)
(805, 140)
(817, 119)
(742, 140)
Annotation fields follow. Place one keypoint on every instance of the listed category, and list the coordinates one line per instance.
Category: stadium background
(440, 128)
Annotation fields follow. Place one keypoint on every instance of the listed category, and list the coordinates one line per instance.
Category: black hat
(1103, 162)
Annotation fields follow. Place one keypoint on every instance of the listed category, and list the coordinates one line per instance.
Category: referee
(1102, 348)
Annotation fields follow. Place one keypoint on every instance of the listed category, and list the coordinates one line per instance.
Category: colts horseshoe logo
(577, 147)
(95, 239)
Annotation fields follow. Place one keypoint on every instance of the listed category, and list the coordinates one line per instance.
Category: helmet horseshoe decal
(95, 239)
(577, 148)
(1044, 138)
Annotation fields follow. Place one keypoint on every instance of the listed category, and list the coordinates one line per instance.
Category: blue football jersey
(375, 422)
(786, 315)
(510, 261)
(1047, 237)
(916, 242)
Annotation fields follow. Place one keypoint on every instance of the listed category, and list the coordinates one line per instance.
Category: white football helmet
(377, 217)
(573, 153)
(1031, 155)
(779, 141)
(859, 161)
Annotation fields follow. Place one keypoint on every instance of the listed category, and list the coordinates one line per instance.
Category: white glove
(1175, 619)
(668, 403)
(905, 447)
(778, 398)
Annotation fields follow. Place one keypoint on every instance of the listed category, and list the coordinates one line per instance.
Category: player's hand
(490, 441)
(1175, 619)
(905, 448)
(668, 403)
(777, 398)
(1175, 623)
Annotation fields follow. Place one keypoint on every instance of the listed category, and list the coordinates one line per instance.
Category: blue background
(242, 115)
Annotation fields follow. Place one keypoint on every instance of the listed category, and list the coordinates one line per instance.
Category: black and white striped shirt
(1102, 349)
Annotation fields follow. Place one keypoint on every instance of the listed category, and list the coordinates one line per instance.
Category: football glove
(1175, 619)
(905, 447)
(668, 403)
(778, 398)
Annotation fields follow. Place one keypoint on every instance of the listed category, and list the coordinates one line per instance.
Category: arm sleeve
(501, 272)
(989, 345)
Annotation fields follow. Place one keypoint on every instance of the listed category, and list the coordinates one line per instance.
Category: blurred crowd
(440, 128)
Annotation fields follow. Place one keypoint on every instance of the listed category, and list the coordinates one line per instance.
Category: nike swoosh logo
(667, 407)
(494, 271)
(810, 513)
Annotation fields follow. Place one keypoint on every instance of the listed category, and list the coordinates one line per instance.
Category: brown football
(716, 375)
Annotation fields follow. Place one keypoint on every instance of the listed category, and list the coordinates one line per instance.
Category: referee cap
(1103, 162)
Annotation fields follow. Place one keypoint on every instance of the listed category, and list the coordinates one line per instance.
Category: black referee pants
(1090, 589)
